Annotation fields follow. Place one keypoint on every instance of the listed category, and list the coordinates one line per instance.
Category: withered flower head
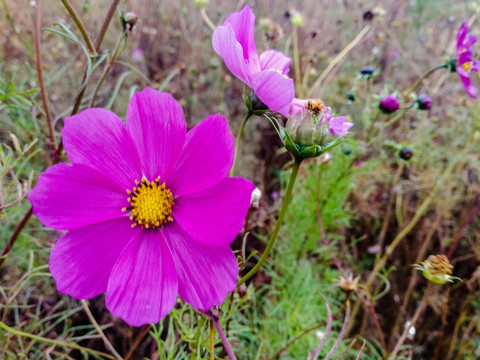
(437, 269)
(349, 284)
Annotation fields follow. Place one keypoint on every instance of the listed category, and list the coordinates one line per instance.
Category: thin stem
(41, 80)
(291, 342)
(273, 237)
(388, 213)
(296, 61)
(417, 314)
(238, 140)
(420, 80)
(54, 342)
(115, 55)
(97, 327)
(222, 336)
(205, 17)
(106, 22)
(80, 26)
(471, 215)
(14, 236)
(336, 60)
(137, 342)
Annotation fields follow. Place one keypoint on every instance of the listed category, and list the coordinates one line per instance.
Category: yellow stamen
(150, 204)
(467, 66)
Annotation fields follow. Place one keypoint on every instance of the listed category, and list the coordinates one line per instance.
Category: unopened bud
(424, 102)
(389, 104)
(255, 199)
(296, 19)
(406, 153)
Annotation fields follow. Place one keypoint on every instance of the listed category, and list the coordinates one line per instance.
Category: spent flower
(149, 209)
(437, 269)
(266, 74)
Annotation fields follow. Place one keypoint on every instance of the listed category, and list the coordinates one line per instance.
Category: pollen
(150, 204)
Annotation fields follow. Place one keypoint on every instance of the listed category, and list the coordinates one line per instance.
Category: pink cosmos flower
(149, 209)
(266, 75)
(465, 63)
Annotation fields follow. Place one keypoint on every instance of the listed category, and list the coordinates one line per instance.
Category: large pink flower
(149, 209)
(266, 75)
(465, 62)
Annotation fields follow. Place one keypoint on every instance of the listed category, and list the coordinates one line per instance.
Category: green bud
(200, 3)
(297, 19)
(437, 269)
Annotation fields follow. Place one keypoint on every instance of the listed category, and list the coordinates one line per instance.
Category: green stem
(420, 80)
(273, 237)
(80, 26)
(238, 140)
(54, 342)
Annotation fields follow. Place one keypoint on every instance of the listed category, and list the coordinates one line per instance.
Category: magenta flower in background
(149, 209)
(388, 103)
(465, 62)
(266, 75)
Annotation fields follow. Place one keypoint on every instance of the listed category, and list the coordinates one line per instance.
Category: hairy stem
(273, 237)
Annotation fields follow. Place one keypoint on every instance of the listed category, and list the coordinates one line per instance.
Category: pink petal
(298, 106)
(215, 216)
(207, 157)
(205, 275)
(243, 26)
(274, 90)
(156, 124)
(338, 126)
(465, 78)
(81, 261)
(97, 138)
(67, 197)
(143, 284)
(275, 60)
(226, 45)
(462, 32)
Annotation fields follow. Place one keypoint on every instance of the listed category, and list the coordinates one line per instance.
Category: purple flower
(424, 102)
(338, 125)
(465, 63)
(149, 209)
(266, 75)
(388, 104)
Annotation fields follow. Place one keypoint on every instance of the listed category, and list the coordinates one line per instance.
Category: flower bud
(437, 269)
(200, 3)
(367, 71)
(424, 102)
(389, 104)
(406, 153)
(351, 97)
(296, 19)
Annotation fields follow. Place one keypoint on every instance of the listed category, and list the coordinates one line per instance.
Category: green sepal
(301, 152)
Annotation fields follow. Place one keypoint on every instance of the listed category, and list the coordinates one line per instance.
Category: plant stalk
(273, 237)
(238, 140)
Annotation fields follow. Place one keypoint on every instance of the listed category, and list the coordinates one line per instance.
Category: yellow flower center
(150, 204)
(467, 66)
